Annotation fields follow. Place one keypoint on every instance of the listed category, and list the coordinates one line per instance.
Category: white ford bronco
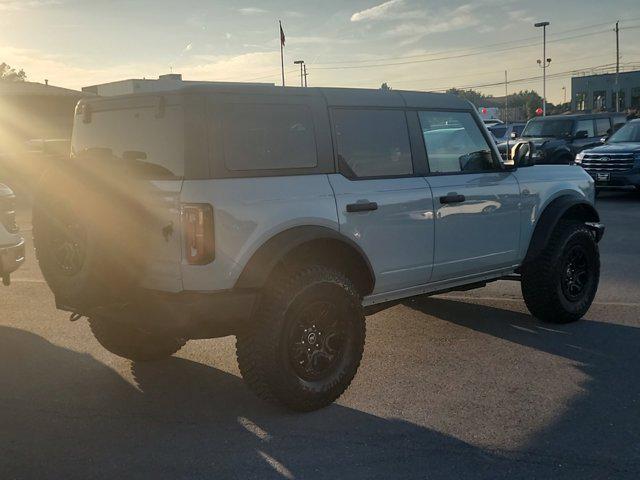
(11, 243)
(283, 216)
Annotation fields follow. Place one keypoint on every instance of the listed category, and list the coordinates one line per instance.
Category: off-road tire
(131, 343)
(542, 279)
(263, 350)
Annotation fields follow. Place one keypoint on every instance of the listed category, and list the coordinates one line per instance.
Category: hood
(627, 147)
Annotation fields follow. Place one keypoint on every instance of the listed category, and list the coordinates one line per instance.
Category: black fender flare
(263, 261)
(562, 152)
(561, 207)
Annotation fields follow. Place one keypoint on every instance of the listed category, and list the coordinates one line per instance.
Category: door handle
(362, 207)
(452, 198)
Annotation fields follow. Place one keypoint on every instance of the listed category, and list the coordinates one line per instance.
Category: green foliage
(385, 87)
(8, 74)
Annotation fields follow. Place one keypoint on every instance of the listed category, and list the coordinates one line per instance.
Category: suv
(11, 243)
(617, 162)
(506, 131)
(283, 216)
(558, 138)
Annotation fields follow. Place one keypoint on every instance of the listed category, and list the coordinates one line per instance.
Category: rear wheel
(560, 285)
(307, 341)
(131, 343)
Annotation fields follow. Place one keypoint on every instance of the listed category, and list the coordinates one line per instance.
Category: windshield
(498, 131)
(629, 133)
(548, 128)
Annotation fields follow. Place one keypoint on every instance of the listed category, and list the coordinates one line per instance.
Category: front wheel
(560, 285)
(307, 341)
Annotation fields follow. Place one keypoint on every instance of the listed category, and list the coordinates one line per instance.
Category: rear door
(383, 201)
(476, 202)
(585, 125)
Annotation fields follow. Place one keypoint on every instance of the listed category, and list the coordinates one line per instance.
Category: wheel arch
(308, 244)
(565, 207)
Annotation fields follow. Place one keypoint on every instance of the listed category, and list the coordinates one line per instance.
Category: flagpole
(281, 52)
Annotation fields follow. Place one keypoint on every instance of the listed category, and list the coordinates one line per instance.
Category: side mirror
(513, 135)
(522, 154)
(603, 139)
(581, 134)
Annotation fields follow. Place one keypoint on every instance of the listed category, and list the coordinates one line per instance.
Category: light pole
(301, 63)
(544, 63)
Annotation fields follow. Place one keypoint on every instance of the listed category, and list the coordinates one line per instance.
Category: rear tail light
(197, 225)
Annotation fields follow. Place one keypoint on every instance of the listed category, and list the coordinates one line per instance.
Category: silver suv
(11, 243)
(283, 216)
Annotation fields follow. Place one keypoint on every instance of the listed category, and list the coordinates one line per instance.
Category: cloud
(380, 12)
(251, 11)
(15, 5)
(521, 15)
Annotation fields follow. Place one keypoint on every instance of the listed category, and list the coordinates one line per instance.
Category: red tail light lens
(197, 225)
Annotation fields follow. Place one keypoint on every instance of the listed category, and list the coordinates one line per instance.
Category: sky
(410, 44)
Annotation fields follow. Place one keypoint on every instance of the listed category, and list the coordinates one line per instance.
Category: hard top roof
(335, 97)
(578, 116)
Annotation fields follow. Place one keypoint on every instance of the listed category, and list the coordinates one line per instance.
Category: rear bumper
(190, 315)
(11, 257)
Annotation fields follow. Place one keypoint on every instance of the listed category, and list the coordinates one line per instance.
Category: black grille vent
(612, 162)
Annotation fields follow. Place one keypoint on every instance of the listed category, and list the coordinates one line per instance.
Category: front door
(383, 205)
(477, 217)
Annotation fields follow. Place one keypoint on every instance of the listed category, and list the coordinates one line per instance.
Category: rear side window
(586, 125)
(499, 132)
(269, 137)
(603, 126)
(372, 143)
(455, 143)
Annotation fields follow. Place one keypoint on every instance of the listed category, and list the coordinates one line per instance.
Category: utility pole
(506, 99)
(301, 63)
(544, 63)
(617, 66)
(564, 91)
(304, 67)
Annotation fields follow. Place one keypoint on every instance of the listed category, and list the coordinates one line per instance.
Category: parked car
(284, 215)
(506, 131)
(558, 138)
(12, 249)
(616, 163)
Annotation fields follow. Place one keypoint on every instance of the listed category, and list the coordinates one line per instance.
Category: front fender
(564, 207)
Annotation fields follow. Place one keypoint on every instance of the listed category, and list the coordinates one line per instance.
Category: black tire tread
(252, 347)
(538, 285)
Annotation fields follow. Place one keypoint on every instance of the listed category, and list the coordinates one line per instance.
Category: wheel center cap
(312, 338)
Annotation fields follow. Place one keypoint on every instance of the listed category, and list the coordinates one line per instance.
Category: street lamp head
(298, 62)
(541, 24)
(539, 62)
(548, 60)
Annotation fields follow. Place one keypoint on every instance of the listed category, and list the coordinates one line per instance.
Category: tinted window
(602, 126)
(518, 129)
(455, 143)
(586, 125)
(541, 127)
(629, 133)
(372, 143)
(498, 132)
(267, 137)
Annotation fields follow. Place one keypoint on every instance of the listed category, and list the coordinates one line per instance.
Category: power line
(482, 48)
(451, 57)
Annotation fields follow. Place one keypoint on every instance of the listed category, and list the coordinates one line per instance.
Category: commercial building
(172, 81)
(598, 92)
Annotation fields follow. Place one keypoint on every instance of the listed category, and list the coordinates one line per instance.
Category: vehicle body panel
(247, 213)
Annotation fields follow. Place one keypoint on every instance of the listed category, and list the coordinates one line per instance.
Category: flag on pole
(281, 50)
(282, 38)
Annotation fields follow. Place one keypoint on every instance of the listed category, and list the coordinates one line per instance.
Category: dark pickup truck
(558, 138)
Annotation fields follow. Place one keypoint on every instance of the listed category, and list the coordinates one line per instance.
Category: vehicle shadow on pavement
(66, 415)
(601, 426)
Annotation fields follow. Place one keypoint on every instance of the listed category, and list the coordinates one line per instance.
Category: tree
(8, 74)
(385, 87)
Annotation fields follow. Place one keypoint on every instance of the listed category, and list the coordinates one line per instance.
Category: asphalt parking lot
(465, 385)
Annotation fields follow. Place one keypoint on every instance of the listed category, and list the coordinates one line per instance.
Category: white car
(11, 243)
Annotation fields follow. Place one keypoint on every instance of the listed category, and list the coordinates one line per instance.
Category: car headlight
(579, 158)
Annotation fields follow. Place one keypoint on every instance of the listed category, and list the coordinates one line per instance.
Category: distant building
(598, 92)
(172, 81)
(30, 110)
